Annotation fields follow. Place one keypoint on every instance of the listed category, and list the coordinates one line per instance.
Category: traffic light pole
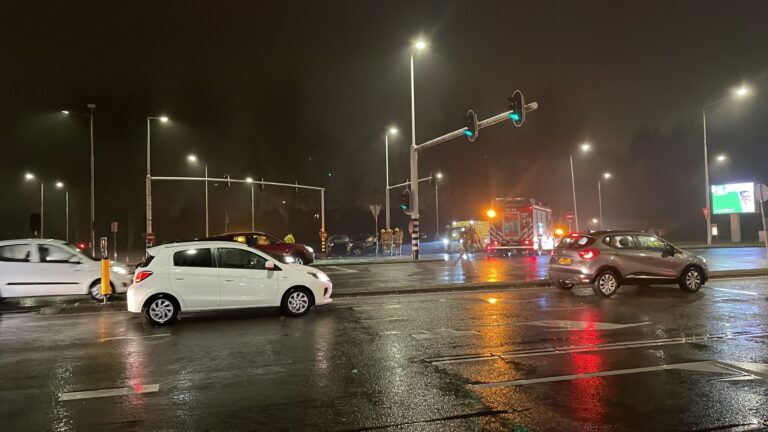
(415, 149)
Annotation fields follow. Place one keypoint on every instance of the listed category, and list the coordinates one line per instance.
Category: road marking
(135, 337)
(376, 307)
(737, 291)
(581, 325)
(701, 366)
(382, 319)
(443, 333)
(462, 358)
(122, 391)
(338, 270)
(564, 308)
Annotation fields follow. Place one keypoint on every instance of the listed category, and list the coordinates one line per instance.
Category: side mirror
(269, 265)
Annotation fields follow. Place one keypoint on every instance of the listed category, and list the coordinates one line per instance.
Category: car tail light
(527, 242)
(140, 276)
(488, 248)
(589, 254)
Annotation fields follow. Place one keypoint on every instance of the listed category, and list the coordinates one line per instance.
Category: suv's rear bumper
(570, 275)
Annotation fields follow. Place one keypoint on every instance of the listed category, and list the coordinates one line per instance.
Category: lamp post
(438, 177)
(60, 185)
(193, 160)
(391, 131)
(418, 46)
(740, 92)
(92, 229)
(606, 176)
(253, 210)
(161, 119)
(31, 177)
(585, 147)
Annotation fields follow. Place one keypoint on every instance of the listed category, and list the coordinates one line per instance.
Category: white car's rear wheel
(161, 310)
(95, 291)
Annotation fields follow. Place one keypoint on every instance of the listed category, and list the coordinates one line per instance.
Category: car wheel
(297, 302)
(691, 281)
(95, 290)
(161, 310)
(564, 285)
(298, 260)
(606, 284)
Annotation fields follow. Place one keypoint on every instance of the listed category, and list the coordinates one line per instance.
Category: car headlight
(289, 259)
(445, 241)
(120, 270)
(322, 277)
(309, 249)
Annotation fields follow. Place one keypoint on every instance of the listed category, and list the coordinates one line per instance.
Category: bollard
(105, 291)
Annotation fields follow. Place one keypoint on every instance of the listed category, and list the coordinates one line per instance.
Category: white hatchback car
(210, 275)
(41, 267)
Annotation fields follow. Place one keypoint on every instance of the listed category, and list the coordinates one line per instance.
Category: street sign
(762, 193)
(375, 209)
(569, 216)
(151, 239)
(706, 212)
(113, 227)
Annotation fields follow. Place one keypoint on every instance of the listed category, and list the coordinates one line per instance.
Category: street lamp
(162, 119)
(419, 45)
(60, 185)
(739, 93)
(31, 177)
(191, 158)
(606, 176)
(92, 229)
(438, 177)
(584, 147)
(390, 131)
(721, 158)
(249, 180)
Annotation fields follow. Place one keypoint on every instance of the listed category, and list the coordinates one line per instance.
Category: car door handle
(229, 280)
(179, 278)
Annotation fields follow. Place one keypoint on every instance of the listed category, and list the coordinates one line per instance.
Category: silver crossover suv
(607, 259)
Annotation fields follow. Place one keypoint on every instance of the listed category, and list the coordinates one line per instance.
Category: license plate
(565, 261)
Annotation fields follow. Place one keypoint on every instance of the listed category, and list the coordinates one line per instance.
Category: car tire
(161, 310)
(298, 259)
(606, 283)
(565, 286)
(297, 302)
(95, 290)
(691, 279)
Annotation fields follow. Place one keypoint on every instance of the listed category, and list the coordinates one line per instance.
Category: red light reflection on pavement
(587, 394)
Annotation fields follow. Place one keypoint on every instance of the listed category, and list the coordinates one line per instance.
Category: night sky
(304, 91)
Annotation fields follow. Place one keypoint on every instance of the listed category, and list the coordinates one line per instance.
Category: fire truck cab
(522, 225)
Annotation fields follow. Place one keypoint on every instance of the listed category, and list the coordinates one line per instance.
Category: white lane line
(122, 391)
(338, 270)
(382, 319)
(135, 337)
(701, 366)
(588, 348)
(737, 291)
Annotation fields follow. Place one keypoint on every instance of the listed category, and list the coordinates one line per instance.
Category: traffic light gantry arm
(481, 124)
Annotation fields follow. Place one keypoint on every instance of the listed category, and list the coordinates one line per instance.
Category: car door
(18, 276)
(195, 278)
(626, 256)
(656, 264)
(245, 282)
(60, 271)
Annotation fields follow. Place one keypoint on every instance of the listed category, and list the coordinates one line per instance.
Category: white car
(42, 267)
(210, 275)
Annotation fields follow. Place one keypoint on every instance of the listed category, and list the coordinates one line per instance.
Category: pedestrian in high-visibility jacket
(398, 242)
(386, 242)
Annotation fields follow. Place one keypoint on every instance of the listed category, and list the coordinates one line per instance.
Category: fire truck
(521, 225)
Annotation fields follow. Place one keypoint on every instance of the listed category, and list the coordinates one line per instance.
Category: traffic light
(470, 123)
(517, 108)
(405, 201)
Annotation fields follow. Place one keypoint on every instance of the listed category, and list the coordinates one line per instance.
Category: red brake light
(527, 242)
(589, 254)
(140, 276)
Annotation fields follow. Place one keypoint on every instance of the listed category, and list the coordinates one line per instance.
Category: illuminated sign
(733, 198)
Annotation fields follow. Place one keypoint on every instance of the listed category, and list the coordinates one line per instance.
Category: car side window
(620, 241)
(54, 254)
(650, 243)
(240, 259)
(201, 257)
(262, 240)
(15, 253)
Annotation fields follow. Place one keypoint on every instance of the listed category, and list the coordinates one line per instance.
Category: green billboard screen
(733, 198)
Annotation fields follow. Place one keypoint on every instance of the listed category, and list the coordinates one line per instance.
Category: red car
(299, 253)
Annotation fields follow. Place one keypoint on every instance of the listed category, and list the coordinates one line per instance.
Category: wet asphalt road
(655, 358)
